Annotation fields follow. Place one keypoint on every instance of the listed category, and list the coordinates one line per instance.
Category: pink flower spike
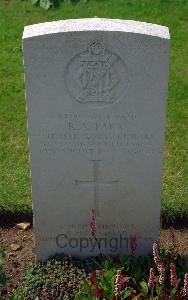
(156, 254)
(118, 283)
(151, 281)
(161, 269)
(185, 287)
(93, 223)
(174, 281)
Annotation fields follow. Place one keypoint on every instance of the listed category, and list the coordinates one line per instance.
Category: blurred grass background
(15, 195)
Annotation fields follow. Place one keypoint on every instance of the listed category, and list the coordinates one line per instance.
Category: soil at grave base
(17, 262)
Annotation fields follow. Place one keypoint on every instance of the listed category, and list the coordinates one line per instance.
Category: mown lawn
(14, 165)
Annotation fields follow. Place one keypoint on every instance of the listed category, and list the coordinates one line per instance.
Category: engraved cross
(96, 182)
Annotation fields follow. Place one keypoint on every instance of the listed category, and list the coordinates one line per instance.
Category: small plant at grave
(3, 278)
(158, 277)
(162, 278)
(58, 278)
(110, 278)
(46, 4)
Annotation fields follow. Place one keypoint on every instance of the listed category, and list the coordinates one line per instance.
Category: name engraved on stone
(96, 182)
(95, 75)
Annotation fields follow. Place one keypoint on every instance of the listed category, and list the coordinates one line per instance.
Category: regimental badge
(96, 75)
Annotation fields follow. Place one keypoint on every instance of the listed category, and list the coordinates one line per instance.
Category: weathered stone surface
(96, 98)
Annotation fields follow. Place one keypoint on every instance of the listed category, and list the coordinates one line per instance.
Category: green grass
(14, 167)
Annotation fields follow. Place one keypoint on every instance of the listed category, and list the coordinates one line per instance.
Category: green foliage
(58, 278)
(134, 279)
(144, 288)
(46, 4)
(95, 278)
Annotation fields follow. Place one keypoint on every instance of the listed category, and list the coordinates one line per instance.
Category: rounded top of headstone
(96, 24)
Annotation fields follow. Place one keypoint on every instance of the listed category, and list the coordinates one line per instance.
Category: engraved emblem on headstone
(95, 75)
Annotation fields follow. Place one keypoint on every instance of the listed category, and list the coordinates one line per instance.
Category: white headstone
(96, 98)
